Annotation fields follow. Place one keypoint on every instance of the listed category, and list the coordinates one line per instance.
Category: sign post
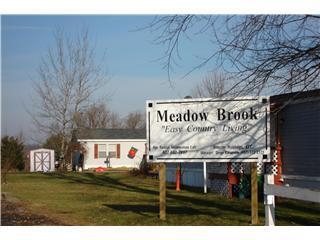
(208, 130)
(162, 190)
(254, 194)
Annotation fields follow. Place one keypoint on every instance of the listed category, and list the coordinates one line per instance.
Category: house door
(42, 161)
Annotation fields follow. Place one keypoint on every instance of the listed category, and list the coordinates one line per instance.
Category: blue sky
(135, 75)
(130, 61)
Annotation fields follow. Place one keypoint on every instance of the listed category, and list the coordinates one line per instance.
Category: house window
(112, 150)
(102, 151)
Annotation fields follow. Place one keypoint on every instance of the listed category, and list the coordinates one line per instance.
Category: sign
(212, 130)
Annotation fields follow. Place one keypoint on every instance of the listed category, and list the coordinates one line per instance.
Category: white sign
(216, 130)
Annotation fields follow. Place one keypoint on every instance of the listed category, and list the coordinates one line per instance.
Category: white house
(111, 147)
(42, 160)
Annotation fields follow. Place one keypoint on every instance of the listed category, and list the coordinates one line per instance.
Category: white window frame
(112, 150)
(102, 151)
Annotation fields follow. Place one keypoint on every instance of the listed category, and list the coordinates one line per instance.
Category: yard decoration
(100, 169)
(132, 152)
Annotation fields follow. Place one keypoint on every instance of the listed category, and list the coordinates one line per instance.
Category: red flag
(132, 152)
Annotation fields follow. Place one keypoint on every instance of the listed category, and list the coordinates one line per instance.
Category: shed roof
(41, 150)
(101, 133)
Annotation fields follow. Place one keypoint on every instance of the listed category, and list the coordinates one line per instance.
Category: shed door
(42, 161)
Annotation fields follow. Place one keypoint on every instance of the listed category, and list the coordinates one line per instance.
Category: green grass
(112, 199)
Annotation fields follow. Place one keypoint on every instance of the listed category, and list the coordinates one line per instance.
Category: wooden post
(162, 179)
(254, 194)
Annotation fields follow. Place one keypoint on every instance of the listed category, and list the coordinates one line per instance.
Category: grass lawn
(112, 199)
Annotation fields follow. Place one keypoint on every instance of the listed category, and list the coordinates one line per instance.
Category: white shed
(42, 160)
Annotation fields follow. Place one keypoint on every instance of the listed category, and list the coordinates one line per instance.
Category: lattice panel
(219, 186)
(275, 156)
(237, 168)
(260, 168)
(271, 168)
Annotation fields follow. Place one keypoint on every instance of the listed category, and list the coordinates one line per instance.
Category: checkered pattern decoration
(237, 168)
(262, 168)
(272, 168)
(219, 186)
(275, 156)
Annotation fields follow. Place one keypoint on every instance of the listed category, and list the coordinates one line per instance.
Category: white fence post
(205, 179)
(269, 202)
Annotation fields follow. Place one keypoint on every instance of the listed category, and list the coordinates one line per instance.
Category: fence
(271, 190)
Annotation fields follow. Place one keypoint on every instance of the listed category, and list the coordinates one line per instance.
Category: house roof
(294, 96)
(101, 133)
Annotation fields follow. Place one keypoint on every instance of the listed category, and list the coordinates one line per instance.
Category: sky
(131, 62)
(131, 56)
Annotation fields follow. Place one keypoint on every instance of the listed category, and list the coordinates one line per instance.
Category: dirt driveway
(13, 213)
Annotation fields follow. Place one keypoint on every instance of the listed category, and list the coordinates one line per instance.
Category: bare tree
(279, 52)
(213, 85)
(68, 77)
(114, 120)
(96, 116)
(135, 120)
